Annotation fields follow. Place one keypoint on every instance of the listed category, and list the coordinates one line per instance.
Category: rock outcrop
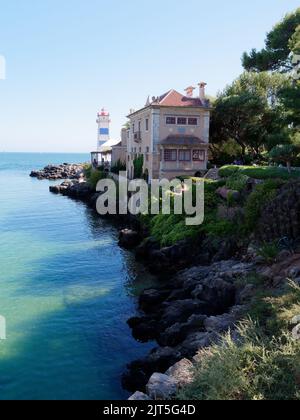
(56, 172)
(187, 313)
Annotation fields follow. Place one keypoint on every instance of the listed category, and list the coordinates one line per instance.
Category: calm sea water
(66, 291)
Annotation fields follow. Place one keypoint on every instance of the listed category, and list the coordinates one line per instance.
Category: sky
(65, 60)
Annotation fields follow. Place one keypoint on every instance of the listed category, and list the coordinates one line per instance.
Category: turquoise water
(66, 291)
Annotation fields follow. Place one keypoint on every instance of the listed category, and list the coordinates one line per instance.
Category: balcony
(137, 137)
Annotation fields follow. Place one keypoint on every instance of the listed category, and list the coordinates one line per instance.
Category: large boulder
(161, 387)
(182, 372)
(139, 396)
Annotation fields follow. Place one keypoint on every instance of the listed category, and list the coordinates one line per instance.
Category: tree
(248, 112)
(290, 98)
(276, 56)
(287, 153)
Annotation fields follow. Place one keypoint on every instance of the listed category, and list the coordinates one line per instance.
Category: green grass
(264, 364)
(259, 172)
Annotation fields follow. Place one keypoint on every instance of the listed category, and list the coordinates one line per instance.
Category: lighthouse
(103, 121)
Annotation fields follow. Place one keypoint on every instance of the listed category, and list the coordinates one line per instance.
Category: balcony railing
(137, 137)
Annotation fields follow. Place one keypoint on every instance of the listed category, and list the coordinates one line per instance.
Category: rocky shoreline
(203, 293)
(56, 172)
(199, 299)
(187, 314)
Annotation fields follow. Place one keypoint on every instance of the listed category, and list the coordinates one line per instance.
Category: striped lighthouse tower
(103, 122)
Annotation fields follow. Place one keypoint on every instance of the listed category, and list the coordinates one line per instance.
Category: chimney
(202, 90)
(189, 91)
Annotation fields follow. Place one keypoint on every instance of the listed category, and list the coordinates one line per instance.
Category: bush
(259, 172)
(118, 166)
(138, 164)
(237, 182)
(257, 200)
(220, 228)
(169, 229)
(256, 368)
(269, 252)
(95, 177)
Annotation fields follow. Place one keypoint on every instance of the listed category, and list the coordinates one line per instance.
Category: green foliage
(247, 112)
(118, 166)
(290, 98)
(237, 181)
(279, 43)
(286, 153)
(259, 172)
(264, 364)
(169, 229)
(257, 200)
(95, 177)
(138, 164)
(88, 171)
(269, 252)
(219, 228)
(256, 368)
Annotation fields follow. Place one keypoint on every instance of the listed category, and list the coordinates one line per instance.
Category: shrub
(269, 252)
(259, 172)
(220, 228)
(95, 177)
(257, 201)
(138, 164)
(118, 167)
(237, 181)
(256, 368)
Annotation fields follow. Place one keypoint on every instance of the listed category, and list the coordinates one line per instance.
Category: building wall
(158, 129)
(118, 153)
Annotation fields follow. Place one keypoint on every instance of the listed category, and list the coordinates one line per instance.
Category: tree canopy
(276, 56)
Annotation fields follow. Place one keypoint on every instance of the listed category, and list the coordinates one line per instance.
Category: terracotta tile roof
(174, 98)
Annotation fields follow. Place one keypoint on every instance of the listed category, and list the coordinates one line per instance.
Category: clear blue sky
(67, 59)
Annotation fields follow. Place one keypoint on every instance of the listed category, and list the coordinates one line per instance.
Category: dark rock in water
(144, 329)
(170, 260)
(145, 249)
(149, 299)
(139, 372)
(129, 239)
(64, 171)
(178, 332)
(181, 310)
(74, 189)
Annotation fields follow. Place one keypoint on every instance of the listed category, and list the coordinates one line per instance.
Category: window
(147, 124)
(148, 149)
(140, 150)
(198, 155)
(133, 128)
(181, 121)
(184, 155)
(171, 120)
(170, 155)
(193, 121)
(139, 126)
